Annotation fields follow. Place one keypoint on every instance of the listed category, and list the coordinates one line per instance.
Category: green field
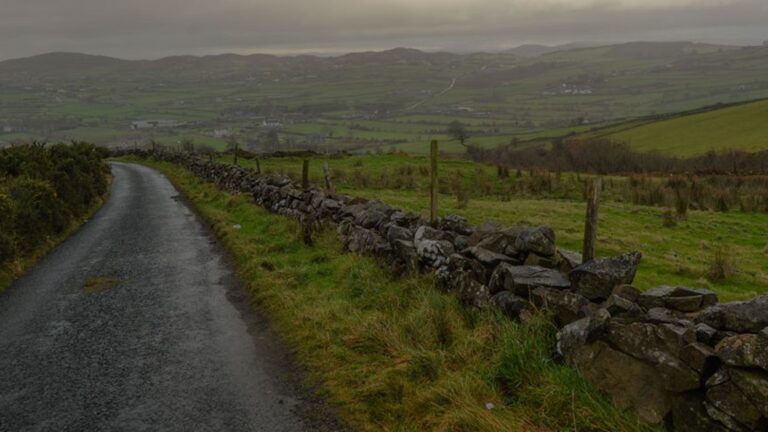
(397, 355)
(679, 255)
(742, 127)
(397, 99)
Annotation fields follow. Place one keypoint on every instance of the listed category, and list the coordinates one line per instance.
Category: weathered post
(590, 227)
(305, 174)
(327, 175)
(236, 146)
(258, 166)
(433, 154)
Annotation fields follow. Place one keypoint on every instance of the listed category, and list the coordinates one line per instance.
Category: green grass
(397, 354)
(742, 127)
(679, 255)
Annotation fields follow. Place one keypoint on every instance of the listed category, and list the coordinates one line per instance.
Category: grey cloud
(153, 28)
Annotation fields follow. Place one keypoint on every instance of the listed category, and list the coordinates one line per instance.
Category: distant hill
(399, 97)
(740, 127)
(534, 50)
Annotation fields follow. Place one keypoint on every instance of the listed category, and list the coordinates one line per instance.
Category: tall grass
(397, 354)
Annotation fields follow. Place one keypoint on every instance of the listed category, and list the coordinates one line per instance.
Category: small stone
(567, 306)
(617, 305)
(704, 333)
(511, 305)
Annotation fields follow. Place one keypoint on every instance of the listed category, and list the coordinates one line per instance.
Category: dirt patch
(99, 284)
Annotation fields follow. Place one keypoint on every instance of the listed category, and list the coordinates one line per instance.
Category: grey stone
(744, 350)
(704, 333)
(735, 395)
(486, 257)
(522, 279)
(618, 305)
(539, 240)
(510, 304)
(568, 260)
(660, 345)
(456, 224)
(741, 317)
(597, 279)
(678, 298)
(566, 306)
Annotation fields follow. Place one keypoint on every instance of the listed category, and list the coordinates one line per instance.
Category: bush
(43, 189)
(721, 265)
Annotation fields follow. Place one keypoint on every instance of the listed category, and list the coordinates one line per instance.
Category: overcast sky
(156, 28)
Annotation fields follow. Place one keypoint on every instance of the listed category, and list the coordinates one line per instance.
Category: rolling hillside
(399, 98)
(740, 127)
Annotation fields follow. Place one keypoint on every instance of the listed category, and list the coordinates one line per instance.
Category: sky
(155, 28)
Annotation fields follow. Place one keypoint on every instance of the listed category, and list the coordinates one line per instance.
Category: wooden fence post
(236, 146)
(327, 174)
(305, 174)
(433, 186)
(258, 166)
(590, 227)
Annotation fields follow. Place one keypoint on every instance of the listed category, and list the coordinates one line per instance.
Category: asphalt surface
(136, 323)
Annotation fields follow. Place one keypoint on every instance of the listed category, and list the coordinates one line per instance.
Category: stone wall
(673, 355)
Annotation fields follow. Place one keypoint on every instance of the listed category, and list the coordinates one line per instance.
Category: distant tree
(272, 140)
(205, 149)
(188, 145)
(458, 131)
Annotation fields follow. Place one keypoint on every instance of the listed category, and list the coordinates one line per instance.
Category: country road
(136, 323)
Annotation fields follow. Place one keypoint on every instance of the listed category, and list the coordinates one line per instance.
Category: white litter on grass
(489, 406)
(237, 226)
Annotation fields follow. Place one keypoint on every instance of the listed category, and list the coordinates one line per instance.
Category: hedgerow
(43, 190)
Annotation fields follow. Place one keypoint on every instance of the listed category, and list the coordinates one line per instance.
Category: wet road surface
(136, 323)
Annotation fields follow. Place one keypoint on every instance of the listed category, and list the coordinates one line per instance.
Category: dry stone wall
(673, 355)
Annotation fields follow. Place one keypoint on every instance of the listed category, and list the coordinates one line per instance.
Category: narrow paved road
(136, 323)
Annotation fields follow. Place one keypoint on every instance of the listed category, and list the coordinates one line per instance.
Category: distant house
(155, 124)
(272, 124)
(221, 133)
(316, 139)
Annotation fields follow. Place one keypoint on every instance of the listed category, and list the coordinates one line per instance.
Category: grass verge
(397, 354)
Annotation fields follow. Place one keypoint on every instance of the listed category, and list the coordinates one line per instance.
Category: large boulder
(744, 350)
(678, 298)
(523, 279)
(690, 415)
(741, 317)
(596, 279)
(631, 383)
(738, 398)
(661, 346)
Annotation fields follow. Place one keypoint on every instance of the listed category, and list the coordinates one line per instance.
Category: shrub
(43, 189)
(721, 265)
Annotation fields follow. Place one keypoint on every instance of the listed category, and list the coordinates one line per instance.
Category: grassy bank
(397, 355)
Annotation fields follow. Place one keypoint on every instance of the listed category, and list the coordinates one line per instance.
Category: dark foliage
(43, 189)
